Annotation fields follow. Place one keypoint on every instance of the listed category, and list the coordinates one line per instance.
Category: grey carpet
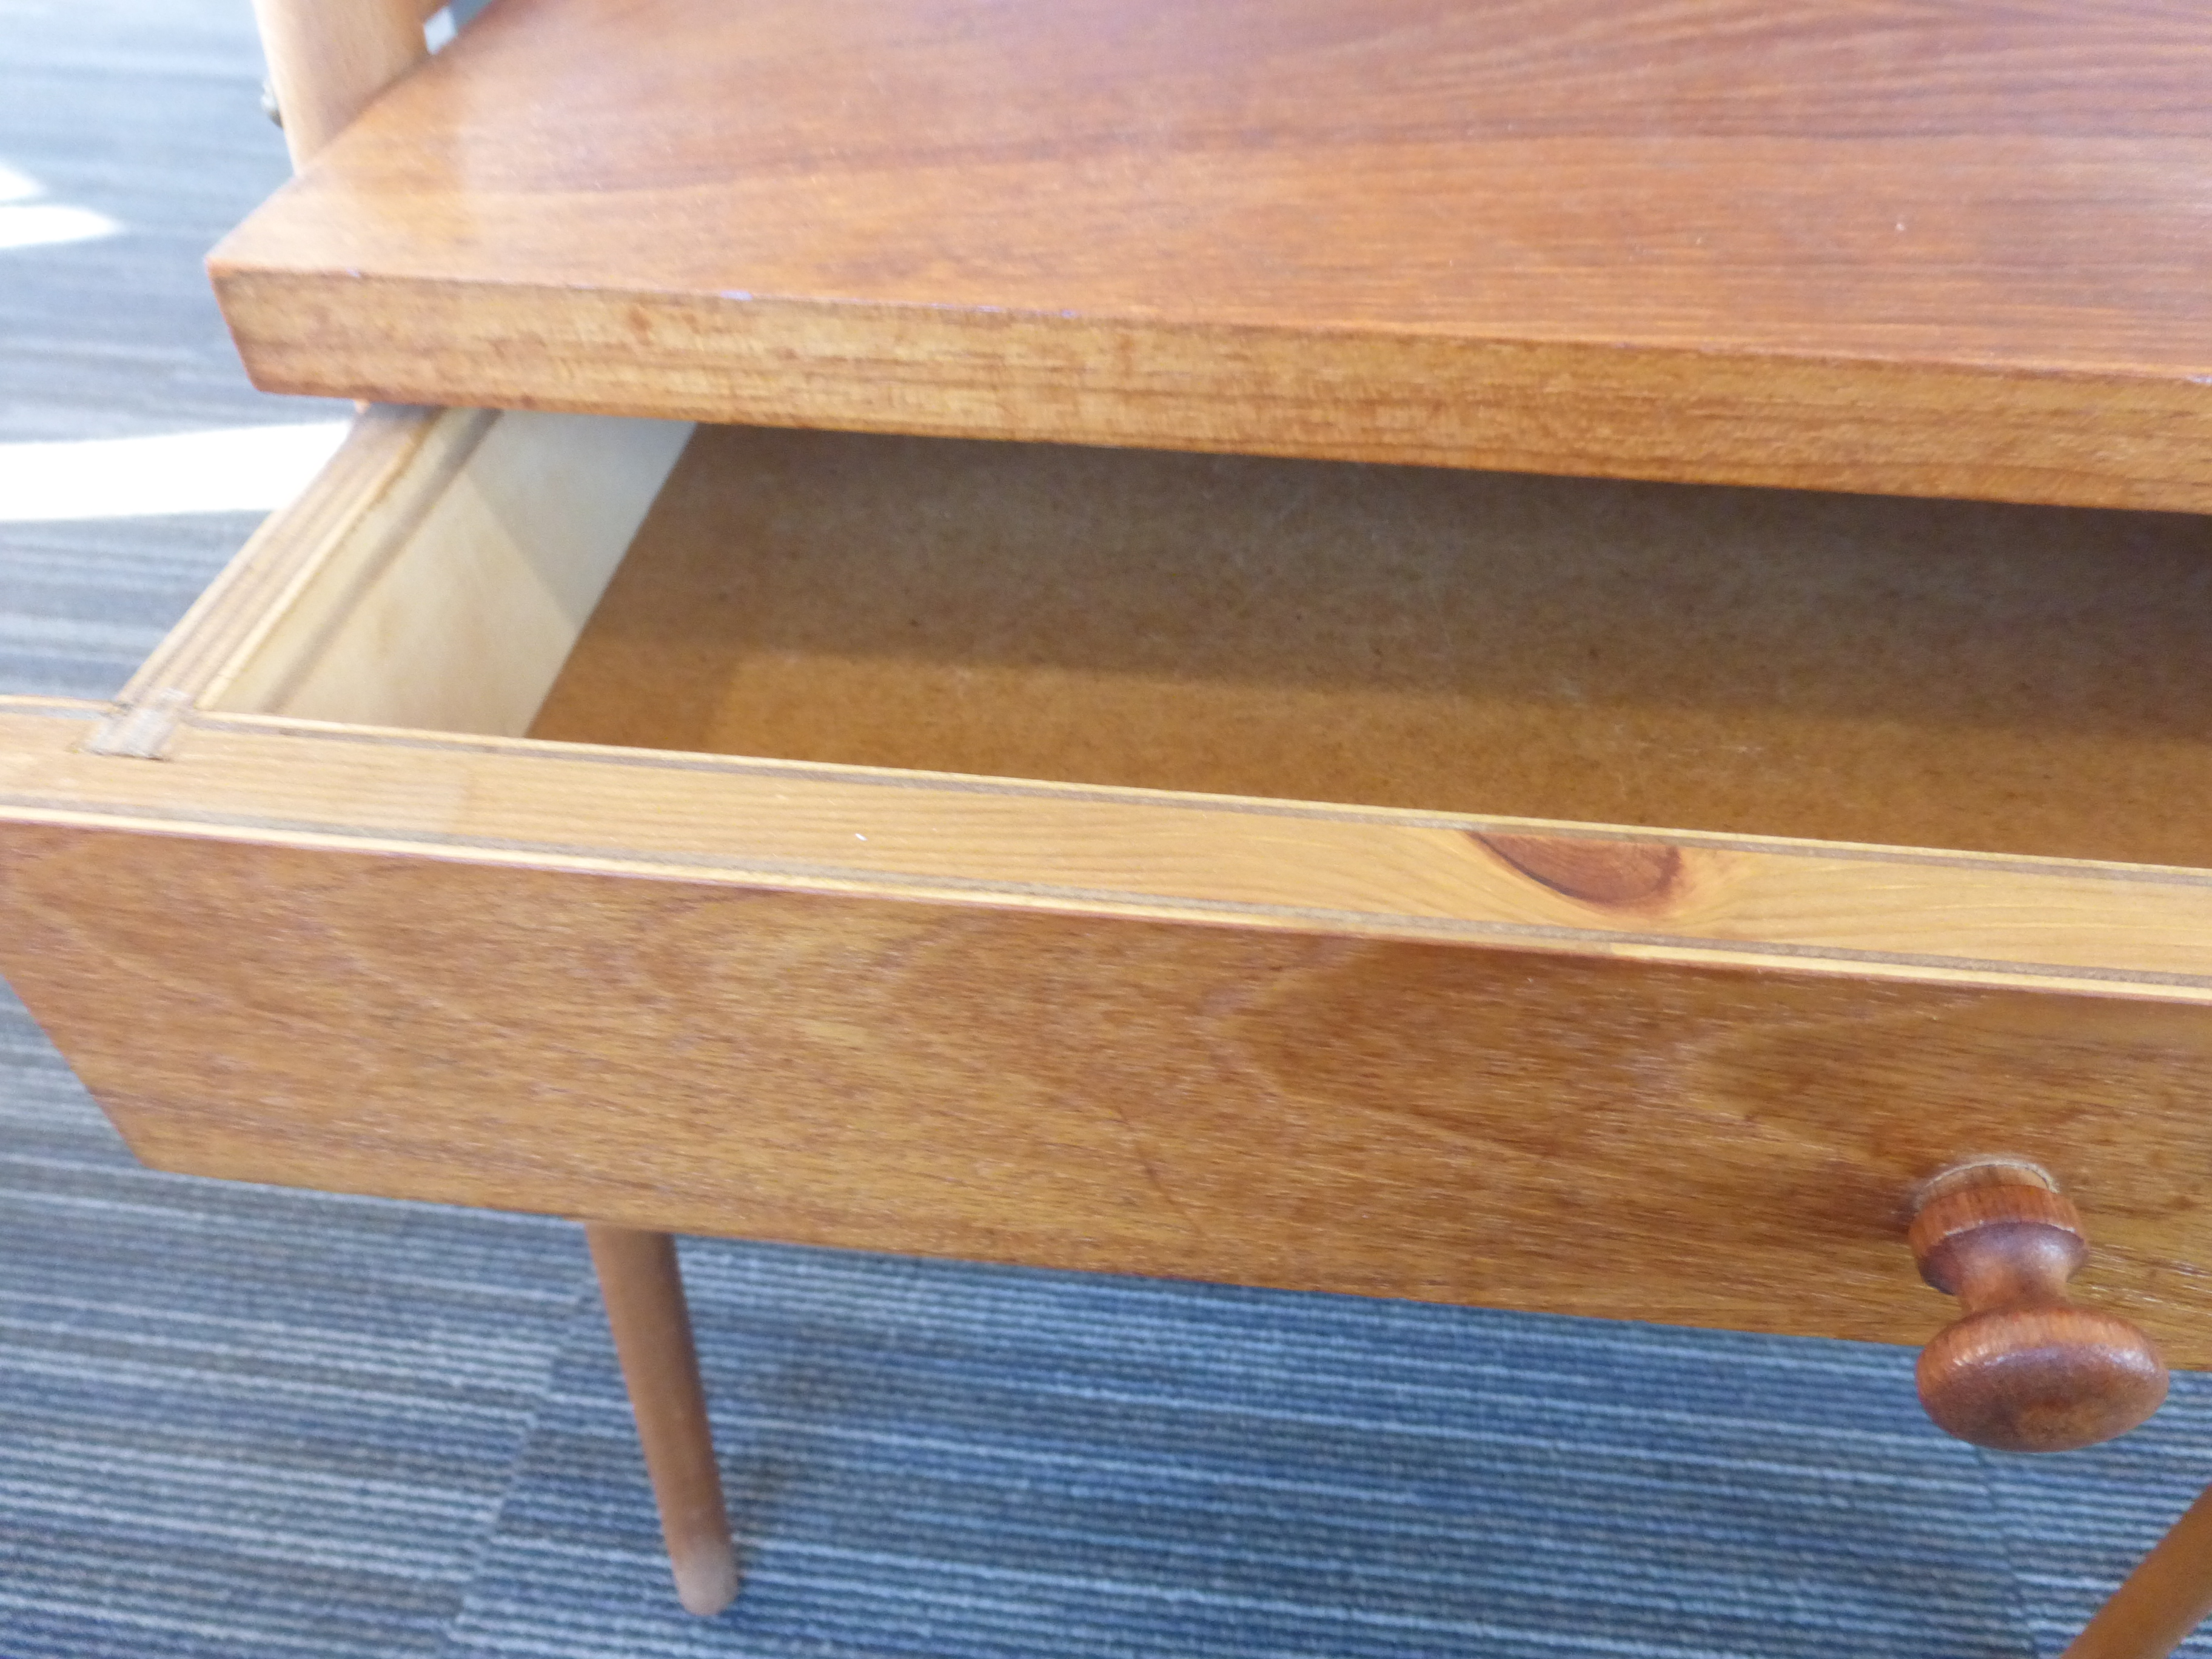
(248, 1423)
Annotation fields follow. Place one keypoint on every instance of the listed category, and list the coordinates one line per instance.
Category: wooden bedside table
(1389, 774)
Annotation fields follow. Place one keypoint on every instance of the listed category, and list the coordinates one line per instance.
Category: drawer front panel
(1686, 1144)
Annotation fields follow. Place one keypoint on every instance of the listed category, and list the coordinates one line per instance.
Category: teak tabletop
(1879, 245)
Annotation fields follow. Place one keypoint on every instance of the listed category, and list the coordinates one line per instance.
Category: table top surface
(646, 206)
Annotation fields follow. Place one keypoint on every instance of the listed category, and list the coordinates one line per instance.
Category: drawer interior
(1553, 1066)
(1914, 672)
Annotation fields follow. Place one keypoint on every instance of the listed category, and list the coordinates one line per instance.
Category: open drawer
(1601, 897)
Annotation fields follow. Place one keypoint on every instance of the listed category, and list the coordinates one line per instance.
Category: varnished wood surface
(1147, 619)
(2164, 1598)
(642, 1286)
(2024, 1369)
(1937, 250)
(1624, 1140)
(1111, 856)
(326, 62)
(1405, 1053)
(1926, 674)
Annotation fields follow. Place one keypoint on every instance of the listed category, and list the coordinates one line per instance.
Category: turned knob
(2025, 1370)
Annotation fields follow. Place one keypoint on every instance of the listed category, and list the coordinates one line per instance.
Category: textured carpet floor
(249, 1423)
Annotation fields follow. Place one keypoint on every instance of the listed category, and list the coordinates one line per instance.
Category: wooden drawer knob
(2025, 1370)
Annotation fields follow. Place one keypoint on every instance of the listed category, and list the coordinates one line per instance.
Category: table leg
(644, 1292)
(2163, 1600)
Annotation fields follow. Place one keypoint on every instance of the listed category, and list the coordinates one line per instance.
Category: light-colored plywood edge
(1803, 907)
(454, 608)
(435, 573)
(356, 512)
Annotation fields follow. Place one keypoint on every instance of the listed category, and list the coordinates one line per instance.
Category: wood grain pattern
(359, 510)
(1631, 1140)
(457, 614)
(1115, 855)
(642, 1286)
(1946, 250)
(1914, 673)
(326, 61)
(1087, 1025)
(435, 573)
(2164, 1598)
(2024, 1369)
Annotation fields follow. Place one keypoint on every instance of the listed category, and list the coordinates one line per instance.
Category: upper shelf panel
(1919, 246)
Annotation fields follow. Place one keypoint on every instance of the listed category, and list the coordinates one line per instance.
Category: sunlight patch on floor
(230, 470)
(26, 221)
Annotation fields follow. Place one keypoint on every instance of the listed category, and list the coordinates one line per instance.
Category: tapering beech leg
(644, 1293)
(2163, 1599)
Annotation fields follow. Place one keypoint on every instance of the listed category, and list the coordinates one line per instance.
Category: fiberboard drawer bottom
(1603, 898)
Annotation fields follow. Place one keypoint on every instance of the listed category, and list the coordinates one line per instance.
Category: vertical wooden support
(2163, 1599)
(644, 1293)
(327, 58)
